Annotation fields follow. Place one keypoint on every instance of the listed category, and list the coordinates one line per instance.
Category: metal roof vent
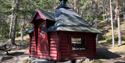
(62, 5)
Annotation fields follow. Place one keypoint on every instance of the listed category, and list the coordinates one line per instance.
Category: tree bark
(15, 6)
(54, 4)
(123, 10)
(75, 4)
(13, 30)
(10, 29)
(21, 32)
(118, 23)
(95, 12)
(111, 15)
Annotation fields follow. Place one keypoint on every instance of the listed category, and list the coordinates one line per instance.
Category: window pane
(76, 40)
(77, 43)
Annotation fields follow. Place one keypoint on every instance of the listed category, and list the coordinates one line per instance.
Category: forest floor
(104, 55)
(110, 54)
(16, 56)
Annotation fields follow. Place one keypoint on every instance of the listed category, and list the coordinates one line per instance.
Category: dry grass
(119, 50)
(115, 30)
(26, 61)
(26, 37)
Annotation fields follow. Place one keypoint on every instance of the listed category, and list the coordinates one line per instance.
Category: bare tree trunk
(15, 7)
(54, 4)
(75, 4)
(123, 10)
(113, 41)
(22, 28)
(14, 30)
(10, 29)
(95, 12)
(118, 23)
(21, 32)
(119, 32)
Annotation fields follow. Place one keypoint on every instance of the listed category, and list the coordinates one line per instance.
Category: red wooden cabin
(62, 35)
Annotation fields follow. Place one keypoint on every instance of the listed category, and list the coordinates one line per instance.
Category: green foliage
(4, 30)
(5, 6)
(109, 39)
(44, 4)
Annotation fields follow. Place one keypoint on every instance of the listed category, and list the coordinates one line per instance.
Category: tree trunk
(22, 28)
(21, 33)
(14, 30)
(95, 12)
(75, 5)
(54, 4)
(118, 23)
(113, 41)
(123, 10)
(10, 29)
(15, 7)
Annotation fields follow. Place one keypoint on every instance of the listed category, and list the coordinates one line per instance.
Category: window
(77, 43)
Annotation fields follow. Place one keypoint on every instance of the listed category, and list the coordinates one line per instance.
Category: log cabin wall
(43, 46)
(33, 48)
(53, 42)
(39, 47)
(65, 45)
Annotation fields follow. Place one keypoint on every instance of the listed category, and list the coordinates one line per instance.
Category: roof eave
(39, 13)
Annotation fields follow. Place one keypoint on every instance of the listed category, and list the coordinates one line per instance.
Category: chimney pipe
(62, 4)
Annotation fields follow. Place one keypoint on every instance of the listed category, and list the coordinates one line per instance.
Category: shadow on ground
(123, 44)
(11, 56)
(16, 54)
(6, 58)
(104, 53)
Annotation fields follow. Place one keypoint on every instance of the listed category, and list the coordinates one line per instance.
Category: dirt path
(111, 55)
(17, 56)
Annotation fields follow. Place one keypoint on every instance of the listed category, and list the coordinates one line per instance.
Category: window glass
(77, 43)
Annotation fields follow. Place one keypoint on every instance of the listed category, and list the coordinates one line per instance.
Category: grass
(108, 32)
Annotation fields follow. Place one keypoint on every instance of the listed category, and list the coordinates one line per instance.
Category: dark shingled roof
(71, 21)
(68, 20)
(48, 15)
